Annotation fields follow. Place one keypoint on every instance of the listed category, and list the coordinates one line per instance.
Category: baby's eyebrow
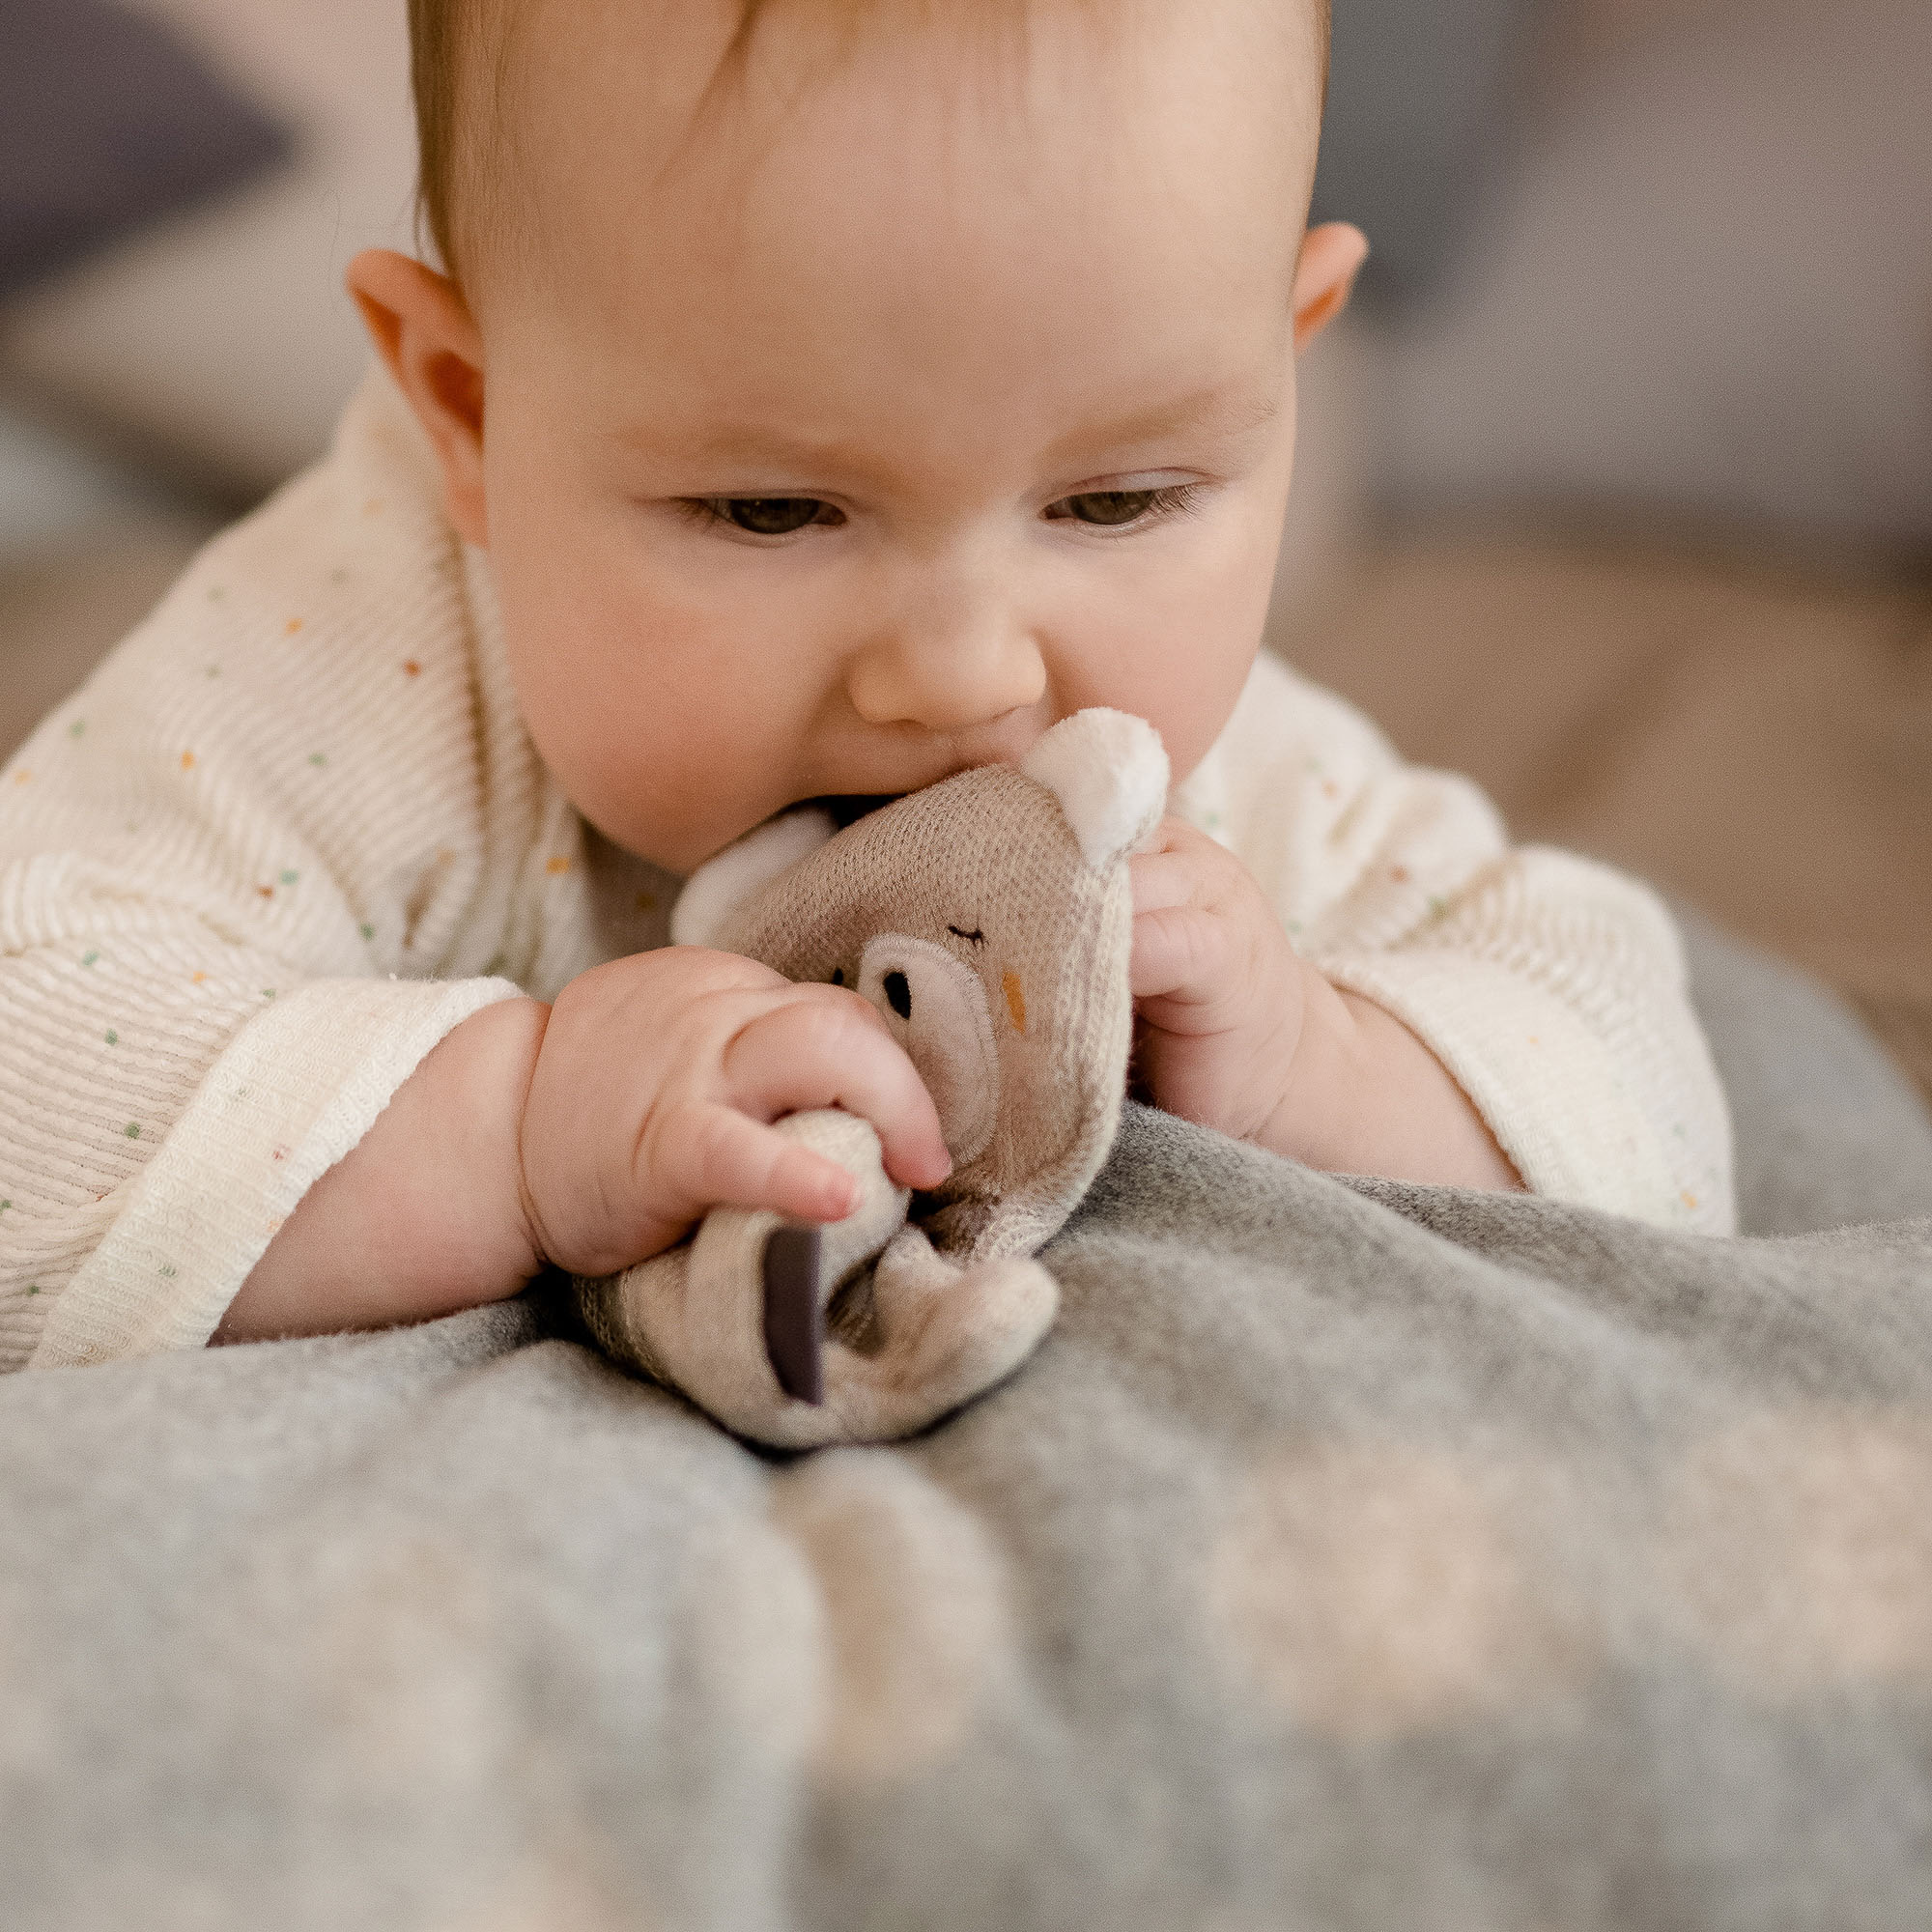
(1224, 414)
(748, 443)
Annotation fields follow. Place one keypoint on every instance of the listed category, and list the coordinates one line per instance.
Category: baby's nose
(950, 671)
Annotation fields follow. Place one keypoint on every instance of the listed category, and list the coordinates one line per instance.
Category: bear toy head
(989, 918)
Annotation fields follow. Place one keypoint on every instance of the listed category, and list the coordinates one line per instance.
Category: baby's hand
(1219, 993)
(655, 1087)
(1237, 1032)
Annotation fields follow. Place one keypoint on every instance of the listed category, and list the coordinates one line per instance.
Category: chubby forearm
(425, 1215)
(1364, 1095)
(589, 1135)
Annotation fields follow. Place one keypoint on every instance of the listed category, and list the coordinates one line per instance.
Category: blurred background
(1615, 487)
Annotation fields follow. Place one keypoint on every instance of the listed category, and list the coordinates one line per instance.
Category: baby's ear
(723, 885)
(1109, 773)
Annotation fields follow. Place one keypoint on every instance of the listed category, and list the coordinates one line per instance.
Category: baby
(823, 396)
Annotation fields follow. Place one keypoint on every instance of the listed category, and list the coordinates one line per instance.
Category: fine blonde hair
(459, 55)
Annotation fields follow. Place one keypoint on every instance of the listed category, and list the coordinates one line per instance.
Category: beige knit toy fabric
(989, 918)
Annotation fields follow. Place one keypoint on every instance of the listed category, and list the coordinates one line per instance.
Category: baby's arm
(589, 1135)
(1548, 992)
(1239, 1033)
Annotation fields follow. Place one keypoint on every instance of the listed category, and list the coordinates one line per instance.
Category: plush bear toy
(989, 920)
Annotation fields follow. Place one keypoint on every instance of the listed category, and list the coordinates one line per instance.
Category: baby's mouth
(848, 809)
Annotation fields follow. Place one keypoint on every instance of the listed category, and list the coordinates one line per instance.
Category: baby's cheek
(1187, 694)
(665, 758)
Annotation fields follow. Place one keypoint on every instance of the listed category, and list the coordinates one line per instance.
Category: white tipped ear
(723, 885)
(1109, 773)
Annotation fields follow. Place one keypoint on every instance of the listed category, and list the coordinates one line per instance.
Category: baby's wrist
(426, 1214)
(1366, 1096)
(1313, 1118)
(486, 1090)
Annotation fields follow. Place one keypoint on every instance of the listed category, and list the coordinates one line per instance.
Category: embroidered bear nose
(899, 993)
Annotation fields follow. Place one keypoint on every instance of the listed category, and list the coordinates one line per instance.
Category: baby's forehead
(554, 103)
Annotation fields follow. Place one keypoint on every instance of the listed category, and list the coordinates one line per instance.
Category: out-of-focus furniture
(223, 337)
(1701, 284)
(109, 122)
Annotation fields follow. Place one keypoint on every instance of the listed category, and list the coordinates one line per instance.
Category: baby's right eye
(768, 516)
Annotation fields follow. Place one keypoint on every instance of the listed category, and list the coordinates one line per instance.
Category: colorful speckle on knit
(1015, 992)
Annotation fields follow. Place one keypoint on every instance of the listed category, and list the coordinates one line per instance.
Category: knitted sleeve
(1552, 988)
(250, 875)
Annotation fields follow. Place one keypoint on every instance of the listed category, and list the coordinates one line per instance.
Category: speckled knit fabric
(294, 831)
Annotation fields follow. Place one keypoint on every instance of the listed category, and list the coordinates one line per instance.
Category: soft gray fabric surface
(1829, 1133)
(1350, 1557)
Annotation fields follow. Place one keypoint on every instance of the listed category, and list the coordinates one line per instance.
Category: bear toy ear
(724, 885)
(1109, 772)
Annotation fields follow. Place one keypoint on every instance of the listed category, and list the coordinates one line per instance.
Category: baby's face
(839, 442)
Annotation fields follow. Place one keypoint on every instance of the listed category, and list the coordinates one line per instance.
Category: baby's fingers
(830, 1049)
(1180, 952)
(712, 1156)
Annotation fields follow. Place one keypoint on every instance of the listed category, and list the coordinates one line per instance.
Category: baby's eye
(770, 516)
(1114, 509)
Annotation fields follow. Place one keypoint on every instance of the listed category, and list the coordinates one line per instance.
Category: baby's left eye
(766, 516)
(1115, 509)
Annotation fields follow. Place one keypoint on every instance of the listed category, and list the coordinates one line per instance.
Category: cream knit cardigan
(293, 831)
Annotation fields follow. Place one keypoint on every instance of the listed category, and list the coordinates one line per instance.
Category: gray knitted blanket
(1350, 1557)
